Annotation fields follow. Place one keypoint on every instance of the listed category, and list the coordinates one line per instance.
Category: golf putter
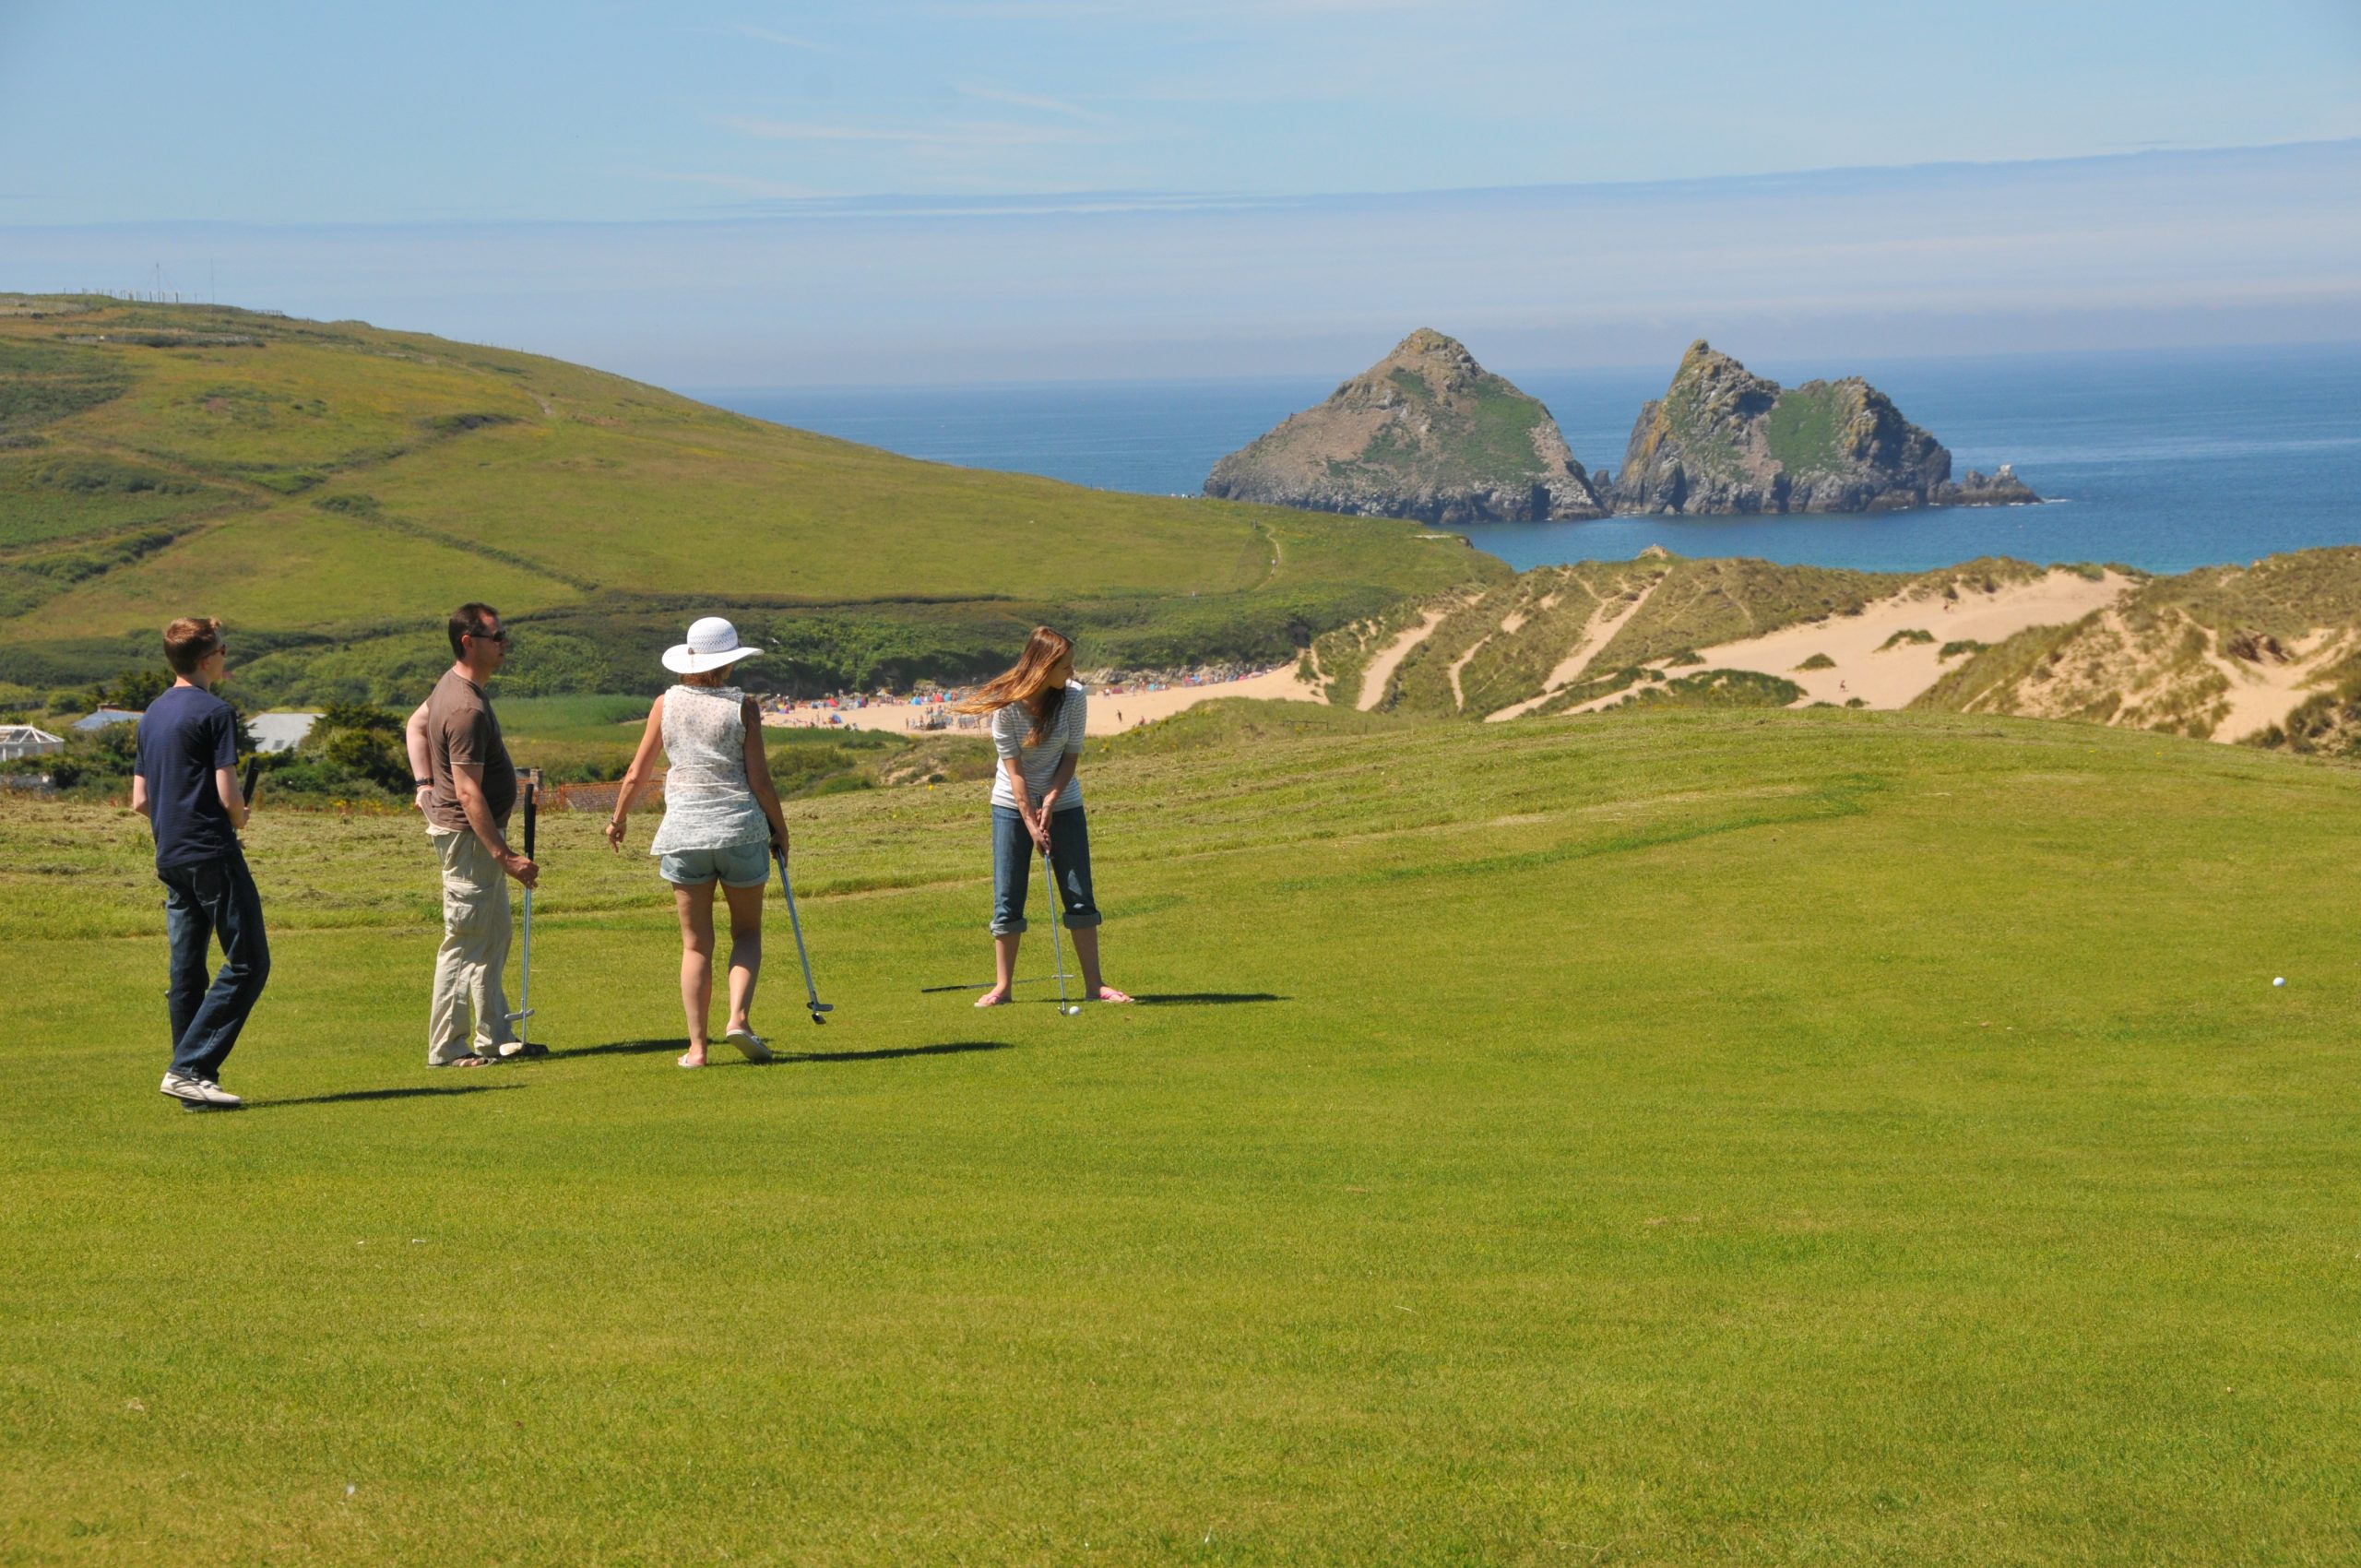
(521, 1017)
(1069, 1008)
(252, 777)
(811, 997)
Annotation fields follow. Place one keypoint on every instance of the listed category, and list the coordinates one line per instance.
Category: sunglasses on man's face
(499, 636)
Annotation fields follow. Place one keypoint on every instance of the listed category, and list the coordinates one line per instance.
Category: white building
(23, 740)
(280, 731)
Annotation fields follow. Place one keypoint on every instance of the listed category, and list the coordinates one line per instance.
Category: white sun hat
(713, 642)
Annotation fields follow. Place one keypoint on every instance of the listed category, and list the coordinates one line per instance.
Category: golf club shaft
(525, 987)
(525, 980)
(810, 992)
(1051, 871)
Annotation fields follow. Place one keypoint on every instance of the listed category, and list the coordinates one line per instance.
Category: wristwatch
(423, 783)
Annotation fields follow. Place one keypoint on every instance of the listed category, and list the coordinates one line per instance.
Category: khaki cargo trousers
(468, 989)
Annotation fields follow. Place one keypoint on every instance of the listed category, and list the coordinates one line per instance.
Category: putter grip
(246, 786)
(532, 817)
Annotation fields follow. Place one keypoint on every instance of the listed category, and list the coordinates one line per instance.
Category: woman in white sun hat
(721, 824)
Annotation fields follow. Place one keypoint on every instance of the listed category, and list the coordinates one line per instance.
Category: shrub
(1907, 634)
(1818, 661)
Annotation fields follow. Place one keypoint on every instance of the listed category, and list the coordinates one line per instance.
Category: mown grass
(1744, 1137)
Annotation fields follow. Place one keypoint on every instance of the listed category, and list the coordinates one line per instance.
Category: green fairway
(1809, 1137)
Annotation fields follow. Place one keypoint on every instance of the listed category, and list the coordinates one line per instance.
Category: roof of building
(106, 716)
(17, 734)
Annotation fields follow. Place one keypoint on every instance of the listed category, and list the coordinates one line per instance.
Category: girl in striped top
(1037, 715)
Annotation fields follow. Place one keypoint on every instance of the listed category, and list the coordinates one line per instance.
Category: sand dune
(1864, 666)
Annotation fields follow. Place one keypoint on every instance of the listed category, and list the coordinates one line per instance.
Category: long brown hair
(1029, 681)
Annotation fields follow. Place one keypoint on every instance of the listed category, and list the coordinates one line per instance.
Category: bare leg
(1004, 970)
(695, 905)
(1085, 952)
(745, 952)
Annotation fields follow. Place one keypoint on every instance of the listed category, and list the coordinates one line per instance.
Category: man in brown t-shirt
(466, 786)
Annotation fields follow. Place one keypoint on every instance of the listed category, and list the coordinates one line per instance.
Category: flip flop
(682, 1060)
(750, 1045)
(464, 1062)
(989, 998)
(1109, 994)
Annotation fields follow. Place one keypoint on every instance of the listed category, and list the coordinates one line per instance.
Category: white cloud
(948, 135)
(762, 35)
(988, 94)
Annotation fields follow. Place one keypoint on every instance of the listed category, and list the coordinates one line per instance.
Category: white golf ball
(2281, 980)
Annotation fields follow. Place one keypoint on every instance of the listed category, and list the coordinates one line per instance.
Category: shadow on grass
(350, 1097)
(627, 1048)
(1204, 998)
(949, 1047)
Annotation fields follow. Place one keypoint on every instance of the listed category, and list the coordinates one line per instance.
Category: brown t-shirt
(462, 732)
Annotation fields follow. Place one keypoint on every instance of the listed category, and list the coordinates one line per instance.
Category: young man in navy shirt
(187, 787)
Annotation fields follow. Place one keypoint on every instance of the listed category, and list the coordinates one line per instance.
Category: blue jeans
(1012, 857)
(212, 899)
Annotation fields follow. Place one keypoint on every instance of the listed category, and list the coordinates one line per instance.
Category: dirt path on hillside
(1604, 621)
(1863, 665)
(1381, 668)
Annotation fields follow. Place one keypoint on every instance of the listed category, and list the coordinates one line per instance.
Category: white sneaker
(199, 1093)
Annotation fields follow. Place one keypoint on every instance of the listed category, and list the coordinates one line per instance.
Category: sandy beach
(1110, 711)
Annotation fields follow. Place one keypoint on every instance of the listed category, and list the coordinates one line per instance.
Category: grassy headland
(332, 489)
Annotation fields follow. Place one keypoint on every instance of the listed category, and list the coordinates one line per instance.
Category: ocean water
(2159, 460)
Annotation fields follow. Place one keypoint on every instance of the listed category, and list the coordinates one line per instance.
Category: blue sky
(746, 194)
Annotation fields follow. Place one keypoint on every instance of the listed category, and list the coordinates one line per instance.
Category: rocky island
(1425, 432)
(1723, 440)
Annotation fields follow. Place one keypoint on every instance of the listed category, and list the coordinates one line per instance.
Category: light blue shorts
(738, 865)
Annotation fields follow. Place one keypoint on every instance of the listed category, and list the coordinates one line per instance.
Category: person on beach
(723, 823)
(186, 786)
(1039, 711)
(466, 786)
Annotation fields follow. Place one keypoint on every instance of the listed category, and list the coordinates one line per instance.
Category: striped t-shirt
(1011, 724)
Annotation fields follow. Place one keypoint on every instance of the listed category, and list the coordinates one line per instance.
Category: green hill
(332, 489)
(1735, 1138)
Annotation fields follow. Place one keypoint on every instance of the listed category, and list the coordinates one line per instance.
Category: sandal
(992, 999)
(1109, 994)
(682, 1060)
(463, 1062)
(750, 1045)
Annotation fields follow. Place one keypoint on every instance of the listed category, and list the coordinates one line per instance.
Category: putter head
(519, 1018)
(819, 1009)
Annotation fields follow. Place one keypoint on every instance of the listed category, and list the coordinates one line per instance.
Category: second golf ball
(2280, 979)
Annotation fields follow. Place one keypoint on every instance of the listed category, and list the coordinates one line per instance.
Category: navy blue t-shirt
(184, 736)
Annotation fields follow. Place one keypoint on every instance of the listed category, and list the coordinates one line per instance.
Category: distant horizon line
(1504, 369)
(892, 205)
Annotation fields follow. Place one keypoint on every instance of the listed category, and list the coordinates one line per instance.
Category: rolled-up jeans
(1013, 854)
(212, 899)
(469, 966)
